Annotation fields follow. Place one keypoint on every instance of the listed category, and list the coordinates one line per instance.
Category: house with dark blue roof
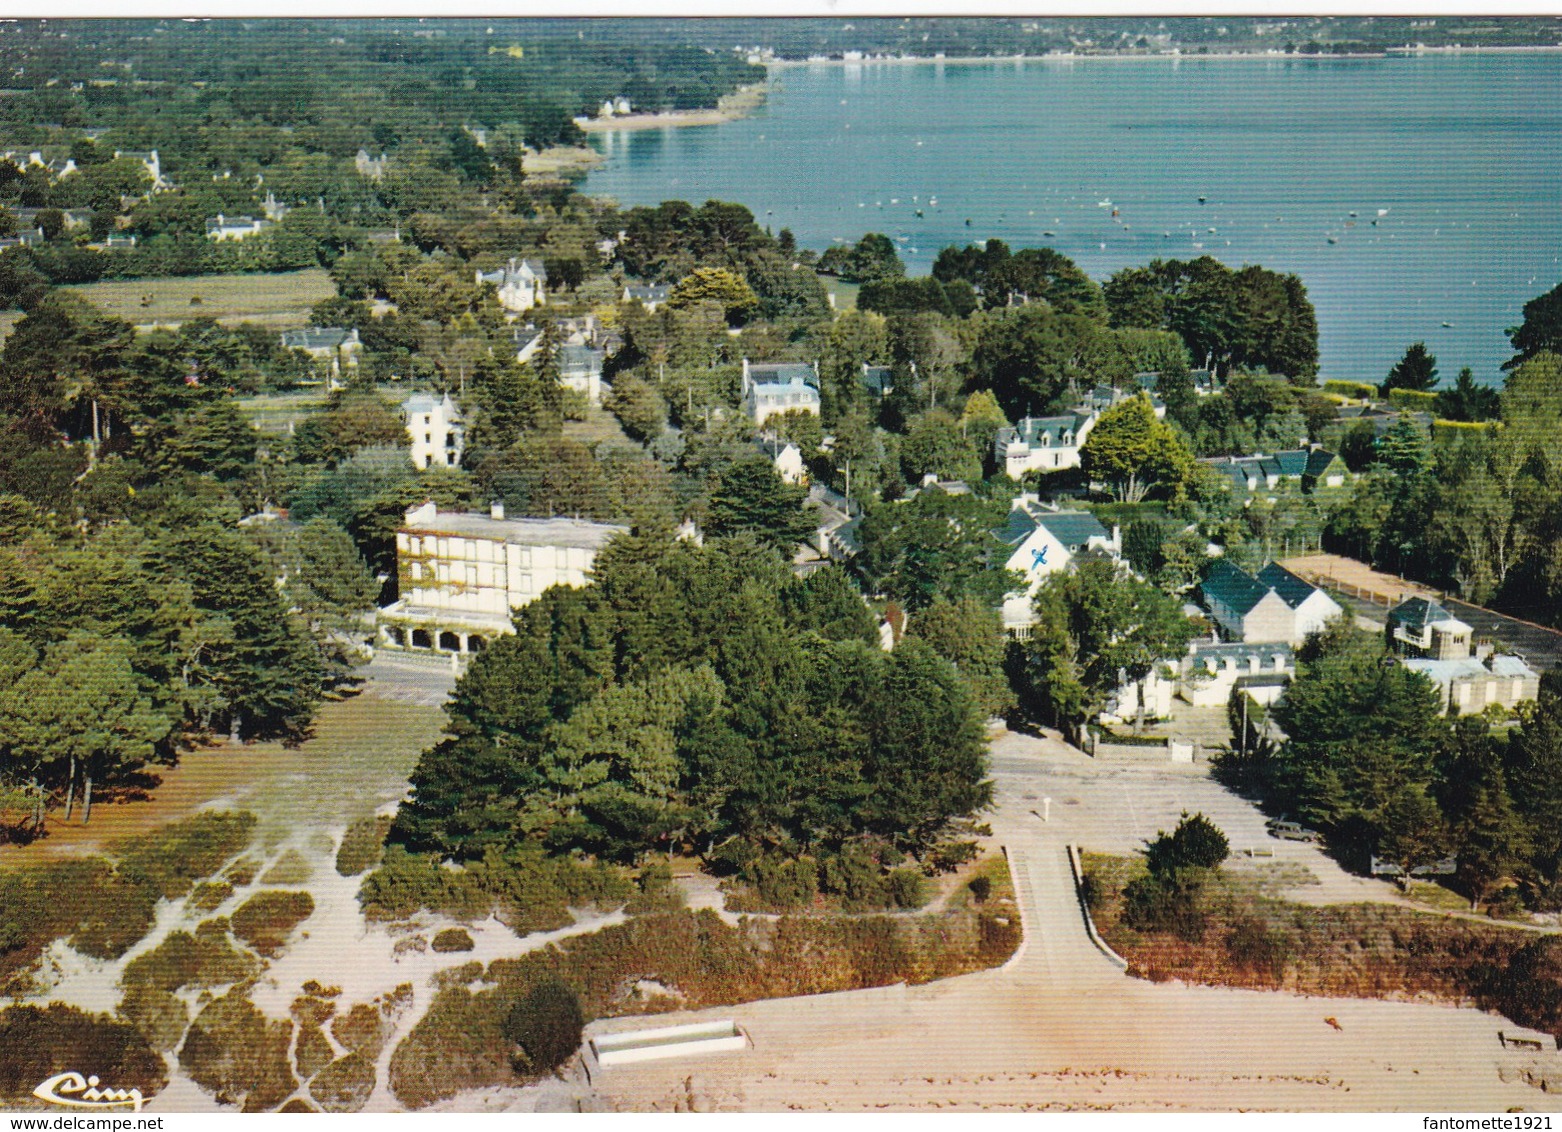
(1037, 541)
(1308, 468)
(580, 369)
(1275, 605)
(1045, 444)
(879, 381)
(648, 295)
(779, 387)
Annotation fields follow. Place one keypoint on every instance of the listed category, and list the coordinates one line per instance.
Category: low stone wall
(1084, 909)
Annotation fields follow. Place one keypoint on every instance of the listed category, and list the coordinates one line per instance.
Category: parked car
(1292, 831)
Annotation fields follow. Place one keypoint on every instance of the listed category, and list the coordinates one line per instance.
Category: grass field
(845, 293)
(600, 426)
(282, 299)
(275, 412)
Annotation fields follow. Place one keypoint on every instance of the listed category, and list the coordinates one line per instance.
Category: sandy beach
(1059, 1027)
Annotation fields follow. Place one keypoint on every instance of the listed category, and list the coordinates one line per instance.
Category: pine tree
(1417, 370)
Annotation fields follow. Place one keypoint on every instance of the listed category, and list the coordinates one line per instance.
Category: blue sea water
(1457, 160)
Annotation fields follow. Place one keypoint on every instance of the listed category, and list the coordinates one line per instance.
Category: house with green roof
(1308, 468)
(1275, 605)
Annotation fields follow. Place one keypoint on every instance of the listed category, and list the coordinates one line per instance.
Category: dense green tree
(215, 439)
(849, 342)
(1097, 627)
(1028, 356)
(1250, 318)
(936, 545)
(981, 419)
(715, 285)
(81, 708)
(953, 299)
(1488, 834)
(546, 1024)
(786, 290)
(1363, 733)
(872, 258)
(750, 498)
(1036, 275)
(543, 476)
(1532, 766)
(927, 759)
(829, 603)
(970, 636)
(1196, 843)
(613, 768)
(1134, 452)
(1541, 330)
(267, 675)
(638, 407)
(1142, 542)
(1417, 370)
(936, 445)
(353, 420)
(1467, 401)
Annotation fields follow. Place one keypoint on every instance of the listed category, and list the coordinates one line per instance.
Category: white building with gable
(1039, 542)
(521, 284)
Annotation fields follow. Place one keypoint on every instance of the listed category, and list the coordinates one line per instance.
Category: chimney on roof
(496, 509)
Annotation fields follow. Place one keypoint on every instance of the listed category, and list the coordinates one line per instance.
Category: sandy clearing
(357, 758)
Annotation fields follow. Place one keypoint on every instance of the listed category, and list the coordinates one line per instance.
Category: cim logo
(85, 1092)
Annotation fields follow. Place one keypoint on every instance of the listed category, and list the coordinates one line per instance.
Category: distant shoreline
(1163, 56)
(727, 109)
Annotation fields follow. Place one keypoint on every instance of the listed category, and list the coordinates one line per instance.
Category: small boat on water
(1049, 232)
(1106, 203)
(1382, 212)
(919, 214)
(1332, 240)
(1203, 199)
(1448, 326)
